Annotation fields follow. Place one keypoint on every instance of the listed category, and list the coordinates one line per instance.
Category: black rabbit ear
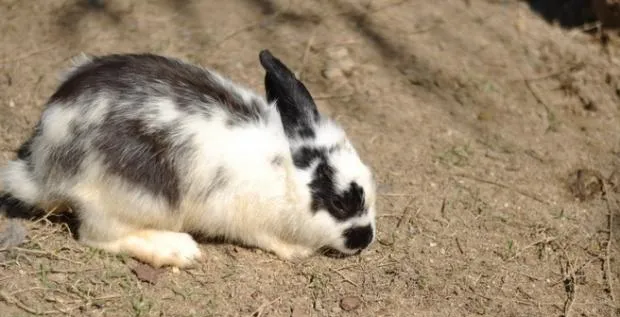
(294, 102)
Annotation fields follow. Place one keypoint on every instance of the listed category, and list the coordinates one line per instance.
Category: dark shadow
(325, 251)
(298, 20)
(69, 16)
(364, 26)
(14, 208)
(266, 7)
(179, 6)
(567, 13)
(420, 73)
(285, 15)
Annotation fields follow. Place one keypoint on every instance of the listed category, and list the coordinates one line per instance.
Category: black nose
(358, 237)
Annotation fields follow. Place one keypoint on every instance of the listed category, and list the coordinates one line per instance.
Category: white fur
(57, 121)
(17, 179)
(77, 62)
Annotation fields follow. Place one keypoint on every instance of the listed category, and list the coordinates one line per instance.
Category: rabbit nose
(358, 237)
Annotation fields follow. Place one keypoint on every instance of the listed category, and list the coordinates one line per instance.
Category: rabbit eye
(338, 205)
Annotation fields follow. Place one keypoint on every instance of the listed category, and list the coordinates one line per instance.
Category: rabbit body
(148, 148)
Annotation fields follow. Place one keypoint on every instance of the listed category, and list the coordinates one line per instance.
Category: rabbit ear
(295, 104)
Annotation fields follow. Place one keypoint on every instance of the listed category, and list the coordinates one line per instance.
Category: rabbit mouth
(334, 253)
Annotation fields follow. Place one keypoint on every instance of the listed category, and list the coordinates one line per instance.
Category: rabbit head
(341, 186)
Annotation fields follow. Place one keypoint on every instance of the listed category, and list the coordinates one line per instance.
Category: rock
(350, 303)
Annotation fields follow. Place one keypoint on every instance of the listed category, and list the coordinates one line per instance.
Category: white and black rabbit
(147, 149)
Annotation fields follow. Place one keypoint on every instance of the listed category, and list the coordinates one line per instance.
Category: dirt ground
(483, 123)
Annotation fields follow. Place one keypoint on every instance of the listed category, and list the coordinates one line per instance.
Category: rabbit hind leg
(103, 227)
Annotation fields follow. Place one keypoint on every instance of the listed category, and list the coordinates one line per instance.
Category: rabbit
(149, 150)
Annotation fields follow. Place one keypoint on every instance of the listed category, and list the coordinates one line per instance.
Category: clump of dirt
(586, 184)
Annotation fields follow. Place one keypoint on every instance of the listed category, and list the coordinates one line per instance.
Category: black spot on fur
(335, 148)
(351, 201)
(24, 152)
(304, 156)
(306, 132)
(140, 154)
(139, 77)
(219, 181)
(14, 207)
(341, 205)
(358, 237)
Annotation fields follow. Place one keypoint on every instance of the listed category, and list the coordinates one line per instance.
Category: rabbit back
(154, 134)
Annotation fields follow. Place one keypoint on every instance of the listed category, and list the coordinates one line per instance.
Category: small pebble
(346, 66)
(350, 303)
(338, 53)
(332, 73)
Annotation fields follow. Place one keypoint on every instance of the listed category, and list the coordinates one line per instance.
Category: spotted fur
(147, 148)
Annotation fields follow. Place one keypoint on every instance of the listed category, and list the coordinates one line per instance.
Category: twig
(539, 99)
(405, 214)
(28, 54)
(442, 210)
(555, 73)
(529, 302)
(332, 44)
(387, 6)
(45, 253)
(259, 312)
(574, 270)
(610, 220)
(324, 97)
(250, 26)
(458, 245)
(395, 194)
(527, 275)
(346, 267)
(61, 271)
(523, 193)
(533, 244)
(46, 216)
(304, 57)
(14, 301)
(570, 286)
(533, 92)
(401, 219)
(345, 278)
